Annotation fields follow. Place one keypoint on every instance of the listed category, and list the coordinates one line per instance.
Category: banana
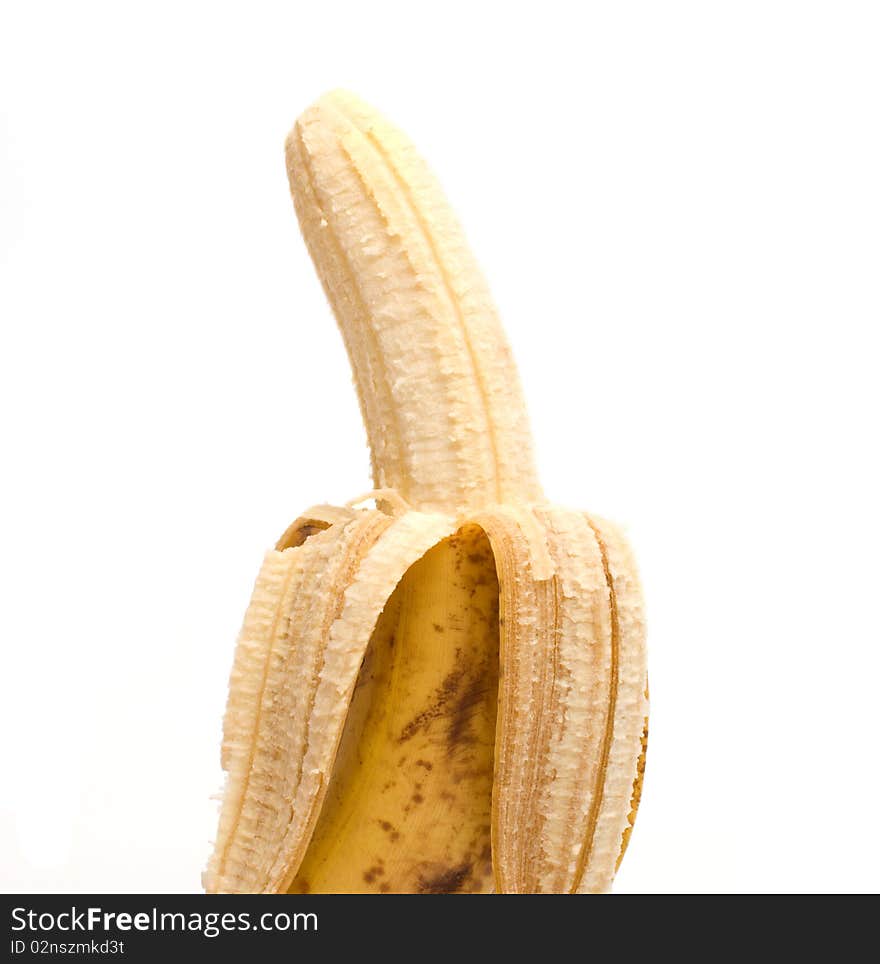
(446, 693)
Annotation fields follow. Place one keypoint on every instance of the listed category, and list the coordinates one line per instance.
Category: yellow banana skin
(412, 786)
(447, 693)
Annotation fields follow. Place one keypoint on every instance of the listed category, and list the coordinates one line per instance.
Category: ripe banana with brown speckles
(447, 693)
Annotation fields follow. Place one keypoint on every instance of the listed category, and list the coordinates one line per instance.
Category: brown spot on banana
(449, 880)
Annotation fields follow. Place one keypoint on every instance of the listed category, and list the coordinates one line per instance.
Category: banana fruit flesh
(446, 693)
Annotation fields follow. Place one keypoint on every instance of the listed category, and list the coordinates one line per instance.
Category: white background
(678, 208)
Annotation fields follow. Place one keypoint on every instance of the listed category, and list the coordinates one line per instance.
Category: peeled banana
(446, 693)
